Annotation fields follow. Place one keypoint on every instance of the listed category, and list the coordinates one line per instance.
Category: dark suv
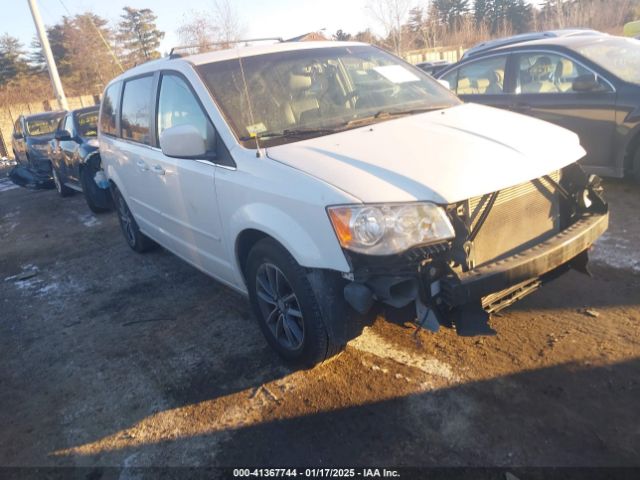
(31, 135)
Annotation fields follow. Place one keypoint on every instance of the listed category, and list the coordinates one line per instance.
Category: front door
(189, 207)
(544, 89)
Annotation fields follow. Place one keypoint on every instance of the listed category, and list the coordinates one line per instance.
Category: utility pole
(51, 63)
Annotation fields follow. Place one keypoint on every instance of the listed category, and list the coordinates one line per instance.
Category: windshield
(312, 92)
(42, 126)
(87, 124)
(621, 56)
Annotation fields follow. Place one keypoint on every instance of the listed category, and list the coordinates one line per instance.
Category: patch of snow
(617, 252)
(6, 184)
(89, 220)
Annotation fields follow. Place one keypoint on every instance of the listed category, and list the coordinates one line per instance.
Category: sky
(261, 18)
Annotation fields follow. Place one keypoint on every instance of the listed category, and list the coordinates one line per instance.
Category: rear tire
(98, 199)
(137, 240)
(61, 188)
(289, 311)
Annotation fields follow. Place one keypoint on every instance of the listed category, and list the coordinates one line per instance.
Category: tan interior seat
(540, 73)
(303, 103)
(465, 87)
(565, 73)
(495, 80)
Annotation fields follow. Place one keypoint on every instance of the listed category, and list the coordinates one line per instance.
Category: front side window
(178, 106)
(288, 96)
(482, 77)
(109, 108)
(546, 72)
(136, 110)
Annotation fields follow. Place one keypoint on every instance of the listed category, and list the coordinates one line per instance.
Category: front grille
(522, 216)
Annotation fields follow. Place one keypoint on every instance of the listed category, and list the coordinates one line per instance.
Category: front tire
(61, 188)
(289, 312)
(635, 167)
(137, 240)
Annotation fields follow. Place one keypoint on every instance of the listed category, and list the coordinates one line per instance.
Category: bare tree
(227, 21)
(391, 15)
(201, 28)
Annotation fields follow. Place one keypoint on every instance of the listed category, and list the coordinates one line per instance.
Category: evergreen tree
(451, 12)
(342, 36)
(139, 35)
(481, 9)
(12, 63)
(498, 14)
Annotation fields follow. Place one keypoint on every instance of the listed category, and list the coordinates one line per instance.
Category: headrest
(299, 82)
(566, 68)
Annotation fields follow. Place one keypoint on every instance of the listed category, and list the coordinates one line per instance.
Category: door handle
(158, 169)
(142, 166)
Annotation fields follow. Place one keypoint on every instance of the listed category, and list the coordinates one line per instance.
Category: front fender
(313, 246)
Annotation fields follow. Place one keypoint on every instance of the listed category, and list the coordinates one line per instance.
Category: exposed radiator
(522, 216)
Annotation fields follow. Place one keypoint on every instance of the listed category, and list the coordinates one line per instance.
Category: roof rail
(174, 54)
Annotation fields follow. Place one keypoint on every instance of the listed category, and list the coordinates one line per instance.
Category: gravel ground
(110, 358)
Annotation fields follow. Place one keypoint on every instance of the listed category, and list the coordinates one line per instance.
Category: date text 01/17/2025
(316, 472)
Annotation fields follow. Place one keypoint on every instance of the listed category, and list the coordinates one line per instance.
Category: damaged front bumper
(447, 294)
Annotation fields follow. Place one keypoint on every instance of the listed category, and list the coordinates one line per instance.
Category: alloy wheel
(280, 307)
(126, 221)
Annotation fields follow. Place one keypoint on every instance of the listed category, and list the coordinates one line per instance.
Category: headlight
(93, 142)
(389, 228)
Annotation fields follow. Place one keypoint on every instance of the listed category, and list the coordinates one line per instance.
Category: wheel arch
(308, 248)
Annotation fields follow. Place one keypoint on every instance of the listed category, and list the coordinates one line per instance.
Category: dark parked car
(589, 84)
(75, 158)
(432, 68)
(31, 135)
(526, 37)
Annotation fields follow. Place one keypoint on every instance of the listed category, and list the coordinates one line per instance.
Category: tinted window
(484, 77)
(545, 72)
(136, 109)
(108, 112)
(178, 106)
(87, 124)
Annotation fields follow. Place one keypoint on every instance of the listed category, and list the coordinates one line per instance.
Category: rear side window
(483, 77)
(136, 110)
(108, 111)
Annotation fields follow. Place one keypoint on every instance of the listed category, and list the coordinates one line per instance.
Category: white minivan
(320, 178)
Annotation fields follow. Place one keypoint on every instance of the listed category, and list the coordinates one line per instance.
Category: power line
(106, 44)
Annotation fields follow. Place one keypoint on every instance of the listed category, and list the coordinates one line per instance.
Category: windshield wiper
(386, 114)
(294, 132)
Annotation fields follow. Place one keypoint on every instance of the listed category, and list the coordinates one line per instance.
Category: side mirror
(586, 83)
(63, 135)
(17, 136)
(182, 141)
(445, 84)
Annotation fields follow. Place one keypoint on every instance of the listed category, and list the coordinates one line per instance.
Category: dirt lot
(113, 358)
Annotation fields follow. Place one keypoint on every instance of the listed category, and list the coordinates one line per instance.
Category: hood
(442, 156)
